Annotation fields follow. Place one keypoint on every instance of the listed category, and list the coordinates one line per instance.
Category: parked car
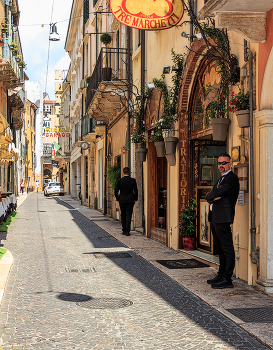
(46, 182)
(54, 188)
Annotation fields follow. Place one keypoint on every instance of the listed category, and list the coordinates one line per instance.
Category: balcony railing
(116, 59)
(14, 74)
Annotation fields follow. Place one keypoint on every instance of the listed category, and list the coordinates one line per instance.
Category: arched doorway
(198, 152)
(47, 174)
(157, 175)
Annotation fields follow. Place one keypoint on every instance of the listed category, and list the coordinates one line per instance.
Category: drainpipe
(105, 173)
(129, 95)
(254, 255)
(142, 94)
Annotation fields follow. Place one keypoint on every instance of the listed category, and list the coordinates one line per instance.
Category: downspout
(142, 94)
(105, 173)
(129, 63)
(254, 251)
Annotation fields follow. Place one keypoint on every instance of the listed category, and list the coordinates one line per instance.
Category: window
(85, 11)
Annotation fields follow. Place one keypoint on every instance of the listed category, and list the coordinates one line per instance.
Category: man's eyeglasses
(222, 163)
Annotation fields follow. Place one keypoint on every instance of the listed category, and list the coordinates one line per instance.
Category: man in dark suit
(126, 193)
(222, 201)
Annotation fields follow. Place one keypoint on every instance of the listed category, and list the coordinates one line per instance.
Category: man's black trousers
(126, 215)
(223, 240)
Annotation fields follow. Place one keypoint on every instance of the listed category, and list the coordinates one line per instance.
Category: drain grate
(112, 255)
(72, 270)
(105, 303)
(254, 315)
(182, 264)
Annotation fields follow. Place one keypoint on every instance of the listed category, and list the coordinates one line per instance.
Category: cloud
(149, 7)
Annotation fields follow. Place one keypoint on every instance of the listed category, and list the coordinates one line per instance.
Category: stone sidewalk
(241, 296)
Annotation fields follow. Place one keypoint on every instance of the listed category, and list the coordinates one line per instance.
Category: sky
(35, 39)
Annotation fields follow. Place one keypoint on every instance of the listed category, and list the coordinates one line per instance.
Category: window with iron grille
(94, 2)
(86, 11)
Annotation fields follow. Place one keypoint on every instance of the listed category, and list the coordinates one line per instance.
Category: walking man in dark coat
(223, 198)
(127, 194)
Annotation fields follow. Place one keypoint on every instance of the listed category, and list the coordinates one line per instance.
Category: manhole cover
(74, 297)
(253, 315)
(112, 255)
(105, 303)
(85, 270)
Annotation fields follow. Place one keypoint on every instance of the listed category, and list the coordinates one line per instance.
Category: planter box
(243, 118)
(189, 243)
(141, 154)
(170, 145)
(219, 128)
(160, 149)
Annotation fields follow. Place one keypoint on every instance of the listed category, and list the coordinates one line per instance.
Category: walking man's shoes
(224, 283)
(216, 279)
(127, 234)
(124, 232)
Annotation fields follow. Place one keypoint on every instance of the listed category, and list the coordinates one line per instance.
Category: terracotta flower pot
(141, 154)
(243, 118)
(219, 128)
(160, 149)
(170, 144)
(189, 243)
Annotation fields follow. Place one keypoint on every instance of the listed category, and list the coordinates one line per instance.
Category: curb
(5, 266)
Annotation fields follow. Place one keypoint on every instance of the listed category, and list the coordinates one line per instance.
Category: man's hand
(217, 198)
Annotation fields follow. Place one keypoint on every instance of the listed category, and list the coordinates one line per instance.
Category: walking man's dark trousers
(126, 193)
(221, 217)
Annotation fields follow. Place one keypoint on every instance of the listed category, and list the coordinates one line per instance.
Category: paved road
(65, 293)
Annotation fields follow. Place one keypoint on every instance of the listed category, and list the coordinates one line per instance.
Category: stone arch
(267, 86)
(189, 71)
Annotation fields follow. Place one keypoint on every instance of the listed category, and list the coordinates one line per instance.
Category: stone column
(265, 279)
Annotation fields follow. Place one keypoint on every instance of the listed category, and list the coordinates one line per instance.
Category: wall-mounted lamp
(53, 36)
(198, 35)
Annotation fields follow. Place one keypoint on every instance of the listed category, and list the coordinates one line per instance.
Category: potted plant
(88, 79)
(157, 138)
(187, 224)
(216, 113)
(3, 26)
(18, 58)
(239, 104)
(22, 64)
(12, 45)
(107, 71)
(140, 140)
(1, 41)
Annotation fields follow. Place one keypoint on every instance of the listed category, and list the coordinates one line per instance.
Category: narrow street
(74, 286)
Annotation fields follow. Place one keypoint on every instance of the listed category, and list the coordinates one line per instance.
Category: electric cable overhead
(48, 49)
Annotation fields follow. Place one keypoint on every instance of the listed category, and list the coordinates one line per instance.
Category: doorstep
(210, 259)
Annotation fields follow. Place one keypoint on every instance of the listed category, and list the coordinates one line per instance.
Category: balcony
(10, 72)
(107, 89)
(246, 17)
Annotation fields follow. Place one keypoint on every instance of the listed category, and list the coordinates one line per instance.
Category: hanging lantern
(53, 36)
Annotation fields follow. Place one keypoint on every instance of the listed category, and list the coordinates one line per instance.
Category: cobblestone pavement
(64, 291)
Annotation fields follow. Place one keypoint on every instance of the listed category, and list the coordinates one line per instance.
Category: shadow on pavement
(169, 290)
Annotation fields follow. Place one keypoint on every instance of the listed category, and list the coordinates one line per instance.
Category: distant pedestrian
(37, 185)
(223, 198)
(126, 193)
(22, 186)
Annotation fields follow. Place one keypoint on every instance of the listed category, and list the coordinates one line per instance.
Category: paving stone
(38, 311)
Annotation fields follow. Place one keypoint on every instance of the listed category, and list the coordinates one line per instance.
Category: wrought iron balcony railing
(11, 72)
(115, 59)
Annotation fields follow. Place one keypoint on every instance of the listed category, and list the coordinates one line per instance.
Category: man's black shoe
(123, 232)
(216, 279)
(127, 234)
(222, 284)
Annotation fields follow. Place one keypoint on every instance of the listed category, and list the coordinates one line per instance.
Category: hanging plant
(187, 223)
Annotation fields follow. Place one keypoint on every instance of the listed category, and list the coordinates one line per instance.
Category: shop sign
(148, 14)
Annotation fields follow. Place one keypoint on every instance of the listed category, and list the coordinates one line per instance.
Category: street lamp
(53, 36)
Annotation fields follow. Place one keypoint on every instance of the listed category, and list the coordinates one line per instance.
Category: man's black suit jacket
(223, 210)
(126, 190)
